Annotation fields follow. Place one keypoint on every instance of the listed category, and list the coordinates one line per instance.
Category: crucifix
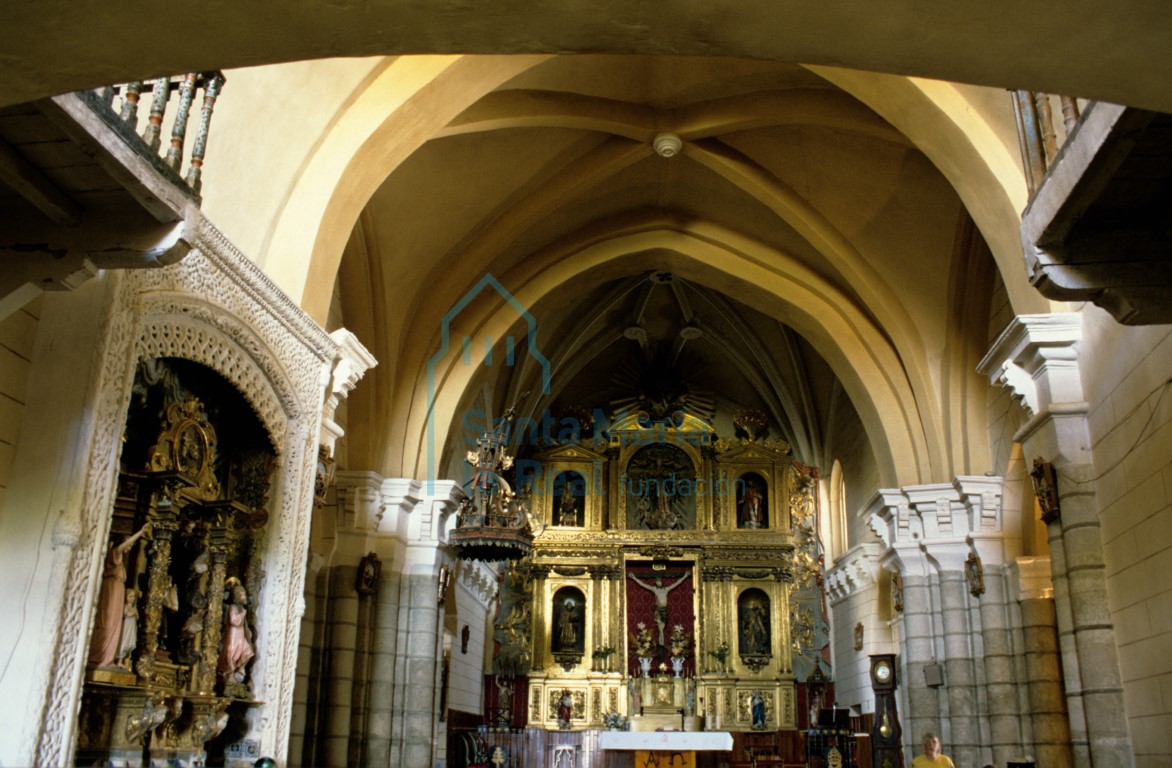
(660, 590)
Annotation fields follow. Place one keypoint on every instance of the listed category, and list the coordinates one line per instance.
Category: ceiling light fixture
(667, 144)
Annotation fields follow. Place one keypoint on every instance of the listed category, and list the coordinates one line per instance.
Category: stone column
(931, 532)
(341, 720)
(415, 712)
(359, 696)
(334, 747)
(1094, 634)
(1047, 704)
(1068, 654)
(964, 739)
(1037, 357)
(1006, 738)
(923, 711)
(383, 652)
(900, 531)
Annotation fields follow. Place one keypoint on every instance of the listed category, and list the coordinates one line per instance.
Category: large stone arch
(967, 41)
(349, 165)
(872, 370)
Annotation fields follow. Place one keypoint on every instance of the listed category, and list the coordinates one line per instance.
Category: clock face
(883, 671)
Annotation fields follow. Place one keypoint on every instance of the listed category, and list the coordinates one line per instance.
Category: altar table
(665, 741)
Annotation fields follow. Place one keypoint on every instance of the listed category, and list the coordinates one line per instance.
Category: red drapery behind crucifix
(641, 604)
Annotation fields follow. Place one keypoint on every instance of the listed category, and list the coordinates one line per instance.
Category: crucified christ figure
(660, 591)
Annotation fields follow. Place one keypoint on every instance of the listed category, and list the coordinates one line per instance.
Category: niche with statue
(568, 641)
(754, 628)
(174, 634)
(569, 493)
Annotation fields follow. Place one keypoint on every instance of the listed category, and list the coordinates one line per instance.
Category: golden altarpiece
(675, 582)
(167, 678)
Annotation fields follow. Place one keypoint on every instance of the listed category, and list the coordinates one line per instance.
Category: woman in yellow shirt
(931, 757)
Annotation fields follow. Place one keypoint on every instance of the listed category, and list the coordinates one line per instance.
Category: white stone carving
(936, 521)
(856, 569)
(360, 500)
(1036, 358)
(352, 362)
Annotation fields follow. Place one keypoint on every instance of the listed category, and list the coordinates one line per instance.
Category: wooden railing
(1040, 132)
(123, 101)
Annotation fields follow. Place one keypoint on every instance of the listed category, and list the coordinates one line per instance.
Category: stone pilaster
(1068, 653)
(308, 660)
(1037, 358)
(919, 626)
(346, 666)
(964, 736)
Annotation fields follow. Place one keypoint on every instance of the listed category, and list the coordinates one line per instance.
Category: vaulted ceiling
(776, 166)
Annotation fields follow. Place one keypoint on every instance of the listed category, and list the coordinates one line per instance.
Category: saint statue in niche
(107, 636)
(752, 502)
(567, 627)
(756, 635)
(236, 650)
(567, 621)
(570, 501)
(753, 623)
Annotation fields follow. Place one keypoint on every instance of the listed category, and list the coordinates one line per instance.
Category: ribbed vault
(794, 213)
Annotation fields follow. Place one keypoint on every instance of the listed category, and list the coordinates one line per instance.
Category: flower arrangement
(601, 657)
(641, 641)
(679, 641)
(603, 653)
(614, 721)
(721, 653)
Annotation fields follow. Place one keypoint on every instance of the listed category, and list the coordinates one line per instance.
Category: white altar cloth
(675, 741)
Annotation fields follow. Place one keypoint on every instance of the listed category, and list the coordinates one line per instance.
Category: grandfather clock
(886, 751)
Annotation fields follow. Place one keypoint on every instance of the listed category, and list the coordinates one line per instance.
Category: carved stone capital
(353, 360)
(856, 569)
(922, 516)
(1036, 358)
(360, 500)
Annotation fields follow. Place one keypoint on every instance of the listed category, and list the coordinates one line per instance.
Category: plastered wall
(17, 333)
